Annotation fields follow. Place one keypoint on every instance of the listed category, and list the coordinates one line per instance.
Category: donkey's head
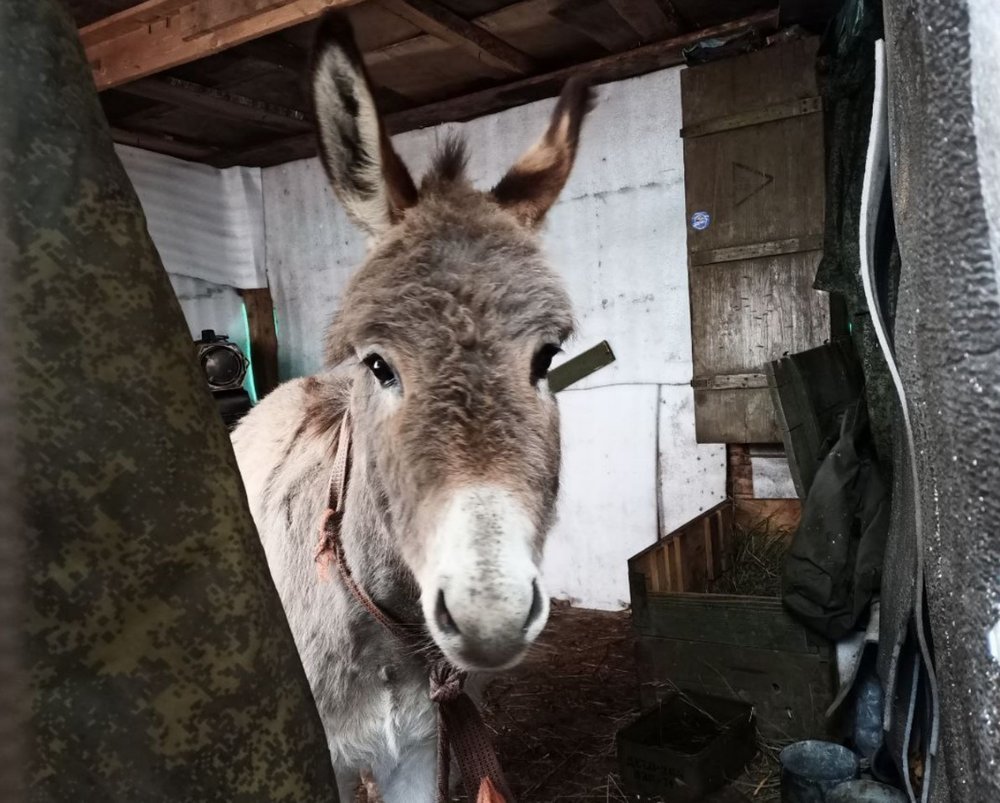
(452, 322)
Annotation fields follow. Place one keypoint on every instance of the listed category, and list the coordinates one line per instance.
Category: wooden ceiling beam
(131, 19)
(616, 67)
(653, 20)
(160, 34)
(443, 23)
(276, 52)
(598, 21)
(171, 146)
(215, 102)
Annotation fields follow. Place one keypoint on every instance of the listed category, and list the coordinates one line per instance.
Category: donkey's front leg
(414, 778)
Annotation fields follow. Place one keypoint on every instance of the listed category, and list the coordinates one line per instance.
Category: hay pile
(758, 557)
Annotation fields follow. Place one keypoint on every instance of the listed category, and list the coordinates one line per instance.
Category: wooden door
(754, 179)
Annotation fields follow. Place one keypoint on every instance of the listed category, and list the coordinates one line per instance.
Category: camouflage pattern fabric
(160, 663)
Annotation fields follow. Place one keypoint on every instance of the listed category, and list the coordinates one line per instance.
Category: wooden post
(263, 339)
(739, 471)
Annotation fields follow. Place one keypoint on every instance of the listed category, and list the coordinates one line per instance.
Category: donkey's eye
(381, 369)
(542, 361)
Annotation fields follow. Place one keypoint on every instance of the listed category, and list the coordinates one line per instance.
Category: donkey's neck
(370, 545)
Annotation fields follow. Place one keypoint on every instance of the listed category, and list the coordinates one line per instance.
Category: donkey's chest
(374, 712)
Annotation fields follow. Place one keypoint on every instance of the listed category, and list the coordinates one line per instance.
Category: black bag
(834, 566)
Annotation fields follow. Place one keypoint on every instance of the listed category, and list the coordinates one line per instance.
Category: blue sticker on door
(700, 221)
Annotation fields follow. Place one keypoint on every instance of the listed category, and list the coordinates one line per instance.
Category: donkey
(439, 356)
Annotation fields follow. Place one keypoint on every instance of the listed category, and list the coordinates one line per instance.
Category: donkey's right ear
(367, 174)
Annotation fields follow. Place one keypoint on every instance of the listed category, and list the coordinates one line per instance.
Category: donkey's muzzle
(490, 635)
(482, 595)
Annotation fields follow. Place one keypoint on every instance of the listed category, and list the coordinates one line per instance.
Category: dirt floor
(556, 715)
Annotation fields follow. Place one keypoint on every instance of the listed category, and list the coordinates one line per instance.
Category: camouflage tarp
(161, 666)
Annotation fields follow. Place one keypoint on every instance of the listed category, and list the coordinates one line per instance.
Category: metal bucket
(865, 792)
(811, 770)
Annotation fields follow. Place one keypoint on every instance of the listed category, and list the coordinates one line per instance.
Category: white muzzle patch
(482, 594)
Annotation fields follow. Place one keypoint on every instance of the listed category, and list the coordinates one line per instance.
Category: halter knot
(447, 681)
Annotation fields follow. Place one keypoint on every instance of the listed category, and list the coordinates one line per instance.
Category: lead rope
(459, 723)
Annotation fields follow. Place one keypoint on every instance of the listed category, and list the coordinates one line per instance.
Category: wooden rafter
(597, 20)
(276, 52)
(160, 34)
(215, 102)
(653, 20)
(440, 21)
(163, 144)
(609, 68)
(147, 14)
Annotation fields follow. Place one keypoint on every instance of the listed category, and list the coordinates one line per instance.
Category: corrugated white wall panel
(312, 249)
(205, 223)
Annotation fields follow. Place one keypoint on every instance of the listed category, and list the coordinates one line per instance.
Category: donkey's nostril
(536, 605)
(443, 617)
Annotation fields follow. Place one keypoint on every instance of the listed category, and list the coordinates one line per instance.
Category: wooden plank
(699, 13)
(759, 622)
(737, 415)
(652, 20)
(161, 144)
(219, 14)
(529, 23)
(769, 114)
(723, 543)
(131, 19)
(263, 339)
(728, 381)
(526, 90)
(810, 390)
(781, 514)
(792, 245)
(216, 102)
(745, 314)
(160, 34)
(277, 52)
(739, 471)
(664, 575)
(605, 69)
(683, 560)
(789, 690)
(442, 22)
(760, 80)
(599, 21)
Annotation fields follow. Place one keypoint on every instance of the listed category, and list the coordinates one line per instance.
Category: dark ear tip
(578, 96)
(334, 29)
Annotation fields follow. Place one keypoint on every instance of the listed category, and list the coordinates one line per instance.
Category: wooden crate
(748, 648)
(690, 557)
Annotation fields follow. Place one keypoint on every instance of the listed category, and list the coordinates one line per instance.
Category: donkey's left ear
(533, 184)
(367, 174)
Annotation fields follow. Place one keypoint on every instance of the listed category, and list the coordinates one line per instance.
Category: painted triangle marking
(747, 182)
